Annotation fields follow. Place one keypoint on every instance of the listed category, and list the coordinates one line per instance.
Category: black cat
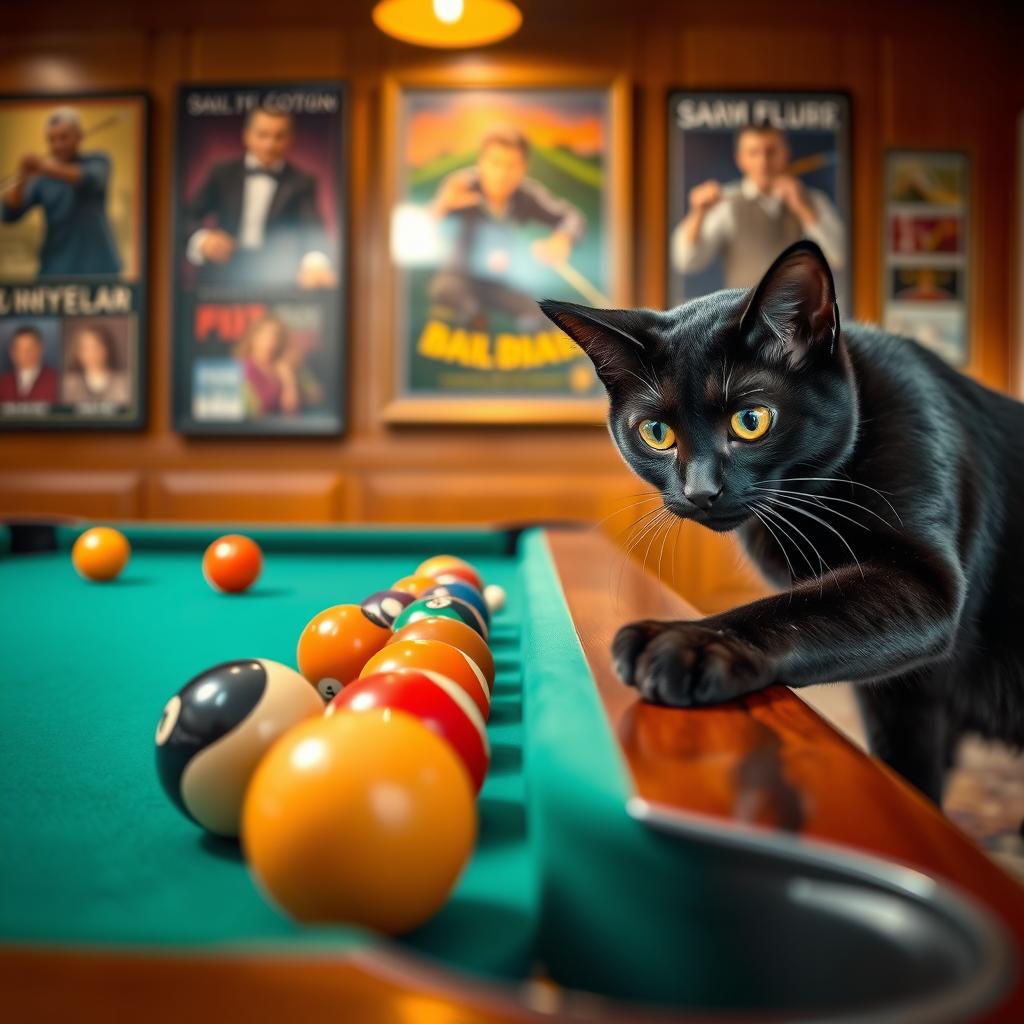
(880, 490)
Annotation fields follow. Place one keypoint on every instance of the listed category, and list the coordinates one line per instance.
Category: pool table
(738, 863)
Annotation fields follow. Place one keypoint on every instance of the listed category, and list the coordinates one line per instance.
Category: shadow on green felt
(506, 712)
(127, 581)
(506, 758)
(259, 592)
(221, 847)
(477, 935)
(502, 822)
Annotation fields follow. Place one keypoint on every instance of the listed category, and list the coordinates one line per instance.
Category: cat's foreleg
(866, 623)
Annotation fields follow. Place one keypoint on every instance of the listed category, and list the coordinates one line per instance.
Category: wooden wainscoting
(708, 569)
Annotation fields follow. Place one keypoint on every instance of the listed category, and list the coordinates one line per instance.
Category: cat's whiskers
(806, 500)
(819, 498)
(646, 383)
(648, 496)
(650, 519)
(675, 528)
(834, 480)
(782, 522)
(618, 534)
(651, 384)
(764, 522)
(648, 531)
(661, 553)
(818, 519)
(652, 538)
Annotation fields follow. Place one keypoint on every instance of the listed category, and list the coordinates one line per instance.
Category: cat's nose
(701, 497)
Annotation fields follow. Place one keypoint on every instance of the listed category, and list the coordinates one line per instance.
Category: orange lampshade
(450, 24)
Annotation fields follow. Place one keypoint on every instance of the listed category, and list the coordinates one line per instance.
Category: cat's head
(712, 399)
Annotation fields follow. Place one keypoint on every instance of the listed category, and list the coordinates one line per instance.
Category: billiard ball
(100, 554)
(415, 584)
(437, 658)
(335, 644)
(495, 597)
(232, 563)
(216, 728)
(385, 606)
(441, 705)
(448, 569)
(447, 607)
(456, 633)
(464, 592)
(364, 819)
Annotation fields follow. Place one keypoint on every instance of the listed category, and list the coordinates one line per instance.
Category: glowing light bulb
(448, 11)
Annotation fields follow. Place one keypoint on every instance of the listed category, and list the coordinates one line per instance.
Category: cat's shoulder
(870, 342)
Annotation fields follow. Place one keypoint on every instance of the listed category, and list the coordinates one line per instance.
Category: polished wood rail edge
(767, 761)
(373, 987)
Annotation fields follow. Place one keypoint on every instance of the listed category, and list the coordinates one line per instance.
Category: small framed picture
(499, 193)
(73, 260)
(925, 256)
(259, 218)
(750, 173)
(1019, 283)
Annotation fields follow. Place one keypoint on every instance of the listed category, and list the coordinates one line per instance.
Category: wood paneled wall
(930, 74)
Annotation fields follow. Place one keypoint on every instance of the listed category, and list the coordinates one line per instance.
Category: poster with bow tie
(258, 259)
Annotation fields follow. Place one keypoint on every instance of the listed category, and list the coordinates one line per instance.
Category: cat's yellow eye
(751, 424)
(657, 435)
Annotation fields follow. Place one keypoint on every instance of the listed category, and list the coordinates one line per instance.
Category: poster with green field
(503, 199)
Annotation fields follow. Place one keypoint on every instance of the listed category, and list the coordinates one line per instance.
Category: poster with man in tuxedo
(259, 217)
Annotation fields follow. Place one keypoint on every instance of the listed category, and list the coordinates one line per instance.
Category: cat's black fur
(916, 512)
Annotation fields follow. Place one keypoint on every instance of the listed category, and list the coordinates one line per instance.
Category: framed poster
(1019, 263)
(925, 239)
(500, 194)
(73, 260)
(259, 227)
(749, 173)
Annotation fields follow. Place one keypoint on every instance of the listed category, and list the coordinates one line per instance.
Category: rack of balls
(391, 696)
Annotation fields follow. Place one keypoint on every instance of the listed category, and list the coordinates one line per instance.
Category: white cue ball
(495, 597)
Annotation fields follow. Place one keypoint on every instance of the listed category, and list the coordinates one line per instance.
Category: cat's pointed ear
(793, 312)
(616, 340)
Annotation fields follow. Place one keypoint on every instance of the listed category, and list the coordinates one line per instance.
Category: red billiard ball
(232, 563)
(440, 704)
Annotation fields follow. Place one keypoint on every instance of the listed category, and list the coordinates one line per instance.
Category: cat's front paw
(685, 664)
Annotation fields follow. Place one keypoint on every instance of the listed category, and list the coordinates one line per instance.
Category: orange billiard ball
(335, 645)
(449, 569)
(232, 563)
(363, 819)
(100, 554)
(416, 585)
(458, 634)
(437, 658)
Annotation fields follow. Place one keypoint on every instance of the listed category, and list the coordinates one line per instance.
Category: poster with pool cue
(749, 173)
(259, 227)
(500, 191)
(73, 179)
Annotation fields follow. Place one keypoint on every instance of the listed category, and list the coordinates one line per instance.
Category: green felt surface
(92, 852)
